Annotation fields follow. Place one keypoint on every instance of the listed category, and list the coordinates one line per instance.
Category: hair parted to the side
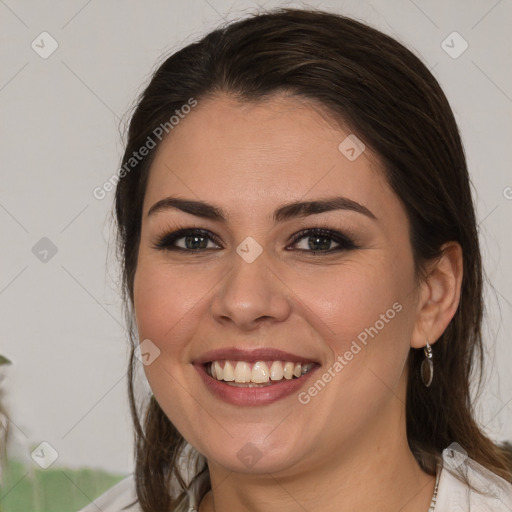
(391, 101)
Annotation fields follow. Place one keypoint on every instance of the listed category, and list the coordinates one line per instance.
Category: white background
(61, 322)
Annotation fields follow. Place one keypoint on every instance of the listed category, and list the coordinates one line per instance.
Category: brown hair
(395, 106)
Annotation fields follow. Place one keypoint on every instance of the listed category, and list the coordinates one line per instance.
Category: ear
(439, 296)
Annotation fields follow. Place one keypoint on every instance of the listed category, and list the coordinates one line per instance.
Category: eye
(193, 240)
(319, 241)
(313, 241)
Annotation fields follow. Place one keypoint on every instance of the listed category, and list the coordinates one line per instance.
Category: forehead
(251, 156)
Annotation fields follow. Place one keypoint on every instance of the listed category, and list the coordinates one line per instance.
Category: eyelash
(346, 241)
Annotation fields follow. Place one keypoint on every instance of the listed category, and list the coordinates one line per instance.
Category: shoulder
(116, 498)
(466, 486)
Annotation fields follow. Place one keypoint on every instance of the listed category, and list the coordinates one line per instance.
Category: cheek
(167, 305)
(364, 312)
(354, 300)
(165, 302)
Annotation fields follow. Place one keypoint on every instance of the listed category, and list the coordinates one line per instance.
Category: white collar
(465, 485)
(486, 492)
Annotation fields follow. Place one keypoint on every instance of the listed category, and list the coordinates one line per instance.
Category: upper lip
(251, 356)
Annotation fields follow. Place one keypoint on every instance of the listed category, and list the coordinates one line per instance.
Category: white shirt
(453, 495)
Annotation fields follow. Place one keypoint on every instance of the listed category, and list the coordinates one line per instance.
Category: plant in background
(4, 422)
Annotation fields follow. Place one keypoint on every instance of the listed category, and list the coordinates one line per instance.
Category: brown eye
(193, 240)
(314, 241)
(322, 240)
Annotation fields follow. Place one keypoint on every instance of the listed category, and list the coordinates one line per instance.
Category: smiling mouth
(256, 374)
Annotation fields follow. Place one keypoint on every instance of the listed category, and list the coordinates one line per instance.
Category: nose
(251, 294)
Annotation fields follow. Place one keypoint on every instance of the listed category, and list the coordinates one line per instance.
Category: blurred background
(69, 73)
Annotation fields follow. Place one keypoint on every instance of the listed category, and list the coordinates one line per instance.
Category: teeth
(229, 372)
(217, 369)
(288, 370)
(260, 373)
(276, 371)
(243, 372)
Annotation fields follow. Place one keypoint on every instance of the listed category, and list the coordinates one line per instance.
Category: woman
(302, 267)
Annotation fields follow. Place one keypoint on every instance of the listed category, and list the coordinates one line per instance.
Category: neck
(377, 471)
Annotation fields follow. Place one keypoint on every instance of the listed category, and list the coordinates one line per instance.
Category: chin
(251, 460)
(256, 453)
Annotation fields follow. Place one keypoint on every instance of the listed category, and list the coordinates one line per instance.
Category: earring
(427, 366)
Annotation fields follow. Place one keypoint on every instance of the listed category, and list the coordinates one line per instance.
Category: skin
(249, 159)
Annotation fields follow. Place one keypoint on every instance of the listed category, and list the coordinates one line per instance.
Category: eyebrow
(283, 213)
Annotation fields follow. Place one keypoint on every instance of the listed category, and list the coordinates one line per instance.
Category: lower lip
(253, 396)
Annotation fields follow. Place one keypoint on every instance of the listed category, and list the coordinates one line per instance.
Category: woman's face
(250, 292)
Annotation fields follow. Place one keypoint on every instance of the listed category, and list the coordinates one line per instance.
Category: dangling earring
(427, 366)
